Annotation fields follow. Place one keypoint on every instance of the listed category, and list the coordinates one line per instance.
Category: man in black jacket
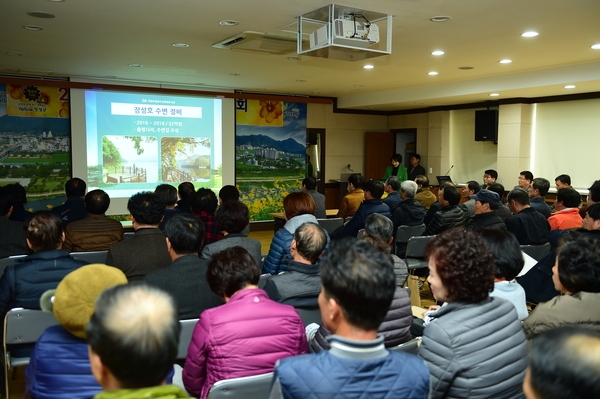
(449, 215)
(484, 207)
(528, 225)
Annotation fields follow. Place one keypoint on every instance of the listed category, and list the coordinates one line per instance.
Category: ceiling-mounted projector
(346, 32)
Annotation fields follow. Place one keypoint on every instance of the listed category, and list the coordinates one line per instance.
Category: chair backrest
(253, 387)
(411, 346)
(185, 336)
(128, 234)
(5, 262)
(404, 233)
(331, 224)
(360, 233)
(25, 326)
(92, 256)
(310, 316)
(416, 246)
(537, 252)
(263, 280)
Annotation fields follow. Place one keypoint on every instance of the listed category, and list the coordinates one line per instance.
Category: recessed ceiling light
(505, 61)
(229, 22)
(596, 46)
(466, 68)
(529, 34)
(494, 95)
(181, 45)
(300, 81)
(41, 14)
(437, 52)
(441, 18)
(33, 27)
(432, 73)
(570, 86)
(368, 66)
(14, 53)
(135, 65)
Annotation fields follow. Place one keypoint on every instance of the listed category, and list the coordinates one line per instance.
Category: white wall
(567, 140)
(469, 157)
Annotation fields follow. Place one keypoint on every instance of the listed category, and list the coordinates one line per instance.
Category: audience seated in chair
(185, 278)
(503, 211)
(509, 262)
(372, 204)
(354, 198)
(391, 187)
(576, 275)
(300, 284)
(529, 226)
(59, 365)
(23, 283)
(146, 251)
(467, 192)
(537, 195)
(133, 337)
(230, 193)
(358, 287)
(490, 176)
(95, 232)
(299, 208)
(474, 344)
(185, 191)
(485, 216)
(567, 214)
(18, 197)
(204, 205)
(74, 207)
(246, 335)
(166, 195)
(449, 214)
(564, 363)
(232, 218)
(424, 195)
(309, 186)
(409, 212)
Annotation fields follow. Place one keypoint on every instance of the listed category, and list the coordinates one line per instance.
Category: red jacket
(243, 337)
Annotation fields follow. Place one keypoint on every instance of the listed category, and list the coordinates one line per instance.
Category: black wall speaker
(486, 125)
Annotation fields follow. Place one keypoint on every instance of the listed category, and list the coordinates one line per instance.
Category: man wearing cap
(486, 203)
(59, 365)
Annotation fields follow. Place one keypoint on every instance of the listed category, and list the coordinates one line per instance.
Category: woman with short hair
(474, 345)
(246, 335)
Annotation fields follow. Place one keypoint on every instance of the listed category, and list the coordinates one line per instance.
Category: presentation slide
(136, 141)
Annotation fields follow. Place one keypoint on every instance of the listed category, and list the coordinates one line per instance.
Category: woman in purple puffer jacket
(246, 335)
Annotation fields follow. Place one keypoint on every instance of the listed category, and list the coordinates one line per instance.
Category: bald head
(134, 333)
(310, 239)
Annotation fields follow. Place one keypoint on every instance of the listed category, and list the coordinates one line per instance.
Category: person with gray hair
(391, 187)
(379, 231)
(300, 285)
(133, 337)
(409, 212)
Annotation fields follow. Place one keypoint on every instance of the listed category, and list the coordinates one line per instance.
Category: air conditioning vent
(260, 42)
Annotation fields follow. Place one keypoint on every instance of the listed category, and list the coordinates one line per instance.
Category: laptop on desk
(443, 179)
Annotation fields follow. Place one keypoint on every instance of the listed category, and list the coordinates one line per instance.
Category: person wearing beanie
(59, 365)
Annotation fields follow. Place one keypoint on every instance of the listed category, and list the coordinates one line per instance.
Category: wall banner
(270, 153)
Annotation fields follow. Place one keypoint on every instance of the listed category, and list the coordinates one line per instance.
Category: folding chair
(262, 280)
(253, 387)
(415, 251)
(330, 225)
(404, 233)
(537, 252)
(22, 326)
(185, 336)
(5, 262)
(310, 316)
(411, 346)
(92, 256)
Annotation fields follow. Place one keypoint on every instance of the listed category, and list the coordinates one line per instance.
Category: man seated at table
(424, 194)
(391, 187)
(309, 186)
(567, 211)
(354, 198)
(537, 195)
(372, 204)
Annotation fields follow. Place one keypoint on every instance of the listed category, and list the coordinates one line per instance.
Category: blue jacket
(392, 200)
(326, 375)
(357, 222)
(23, 283)
(280, 246)
(59, 367)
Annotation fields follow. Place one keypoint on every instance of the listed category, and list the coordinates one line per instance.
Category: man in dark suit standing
(185, 278)
(415, 168)
(12, 234)
(146, 251)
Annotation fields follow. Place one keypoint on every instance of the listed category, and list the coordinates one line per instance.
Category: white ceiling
(100, 38)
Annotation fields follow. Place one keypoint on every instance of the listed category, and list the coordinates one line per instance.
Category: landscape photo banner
(35, 142)
(270, 153)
